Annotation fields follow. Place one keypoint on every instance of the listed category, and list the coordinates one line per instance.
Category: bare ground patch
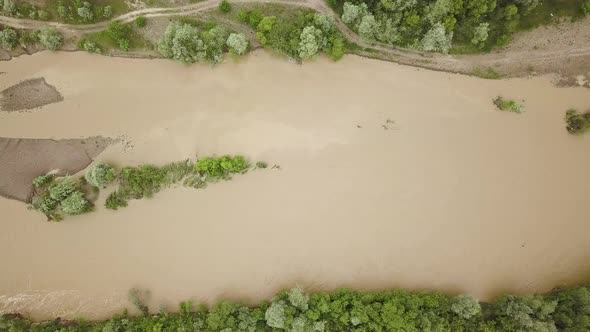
(23, 159)
(28, 95)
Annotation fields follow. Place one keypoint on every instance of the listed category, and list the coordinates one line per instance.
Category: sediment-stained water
(390, 176)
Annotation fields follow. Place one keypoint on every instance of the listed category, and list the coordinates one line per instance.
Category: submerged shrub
(507, 105)
(142, 181)
(42, 180)
(100, 174)
(221, 166)
(577, 123)
(115, 200)
(74, 204)
(62, 188)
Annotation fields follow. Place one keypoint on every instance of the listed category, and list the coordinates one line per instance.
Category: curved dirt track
(570, 60)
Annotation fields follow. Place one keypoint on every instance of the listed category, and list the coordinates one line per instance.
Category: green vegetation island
(566, 310)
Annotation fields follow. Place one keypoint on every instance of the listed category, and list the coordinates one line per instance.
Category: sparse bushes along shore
(566, 310)
(57, 197)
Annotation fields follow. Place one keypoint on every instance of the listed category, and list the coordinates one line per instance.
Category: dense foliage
(507, 105)
(565, 310)
(56, 197)
(577, 123)
(23, 10)
(186, 43)
(300, 35)
(78, 11)
(432, 25)
(221, 167)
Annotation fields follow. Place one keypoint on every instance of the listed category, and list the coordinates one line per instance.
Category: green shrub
(50, 39)
(90, 46)
(62, 188)
(220, 167)
(74, 204)
(120, 34)
(507, 105)
(141, 21)
(8, 39)
(142, 181)
(42, 180)
(100, 174)
(237, 43)
(115, 200)
(586, 7)
(224, 6)
(577, 123)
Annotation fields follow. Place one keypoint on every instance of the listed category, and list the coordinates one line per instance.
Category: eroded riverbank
(448, 194)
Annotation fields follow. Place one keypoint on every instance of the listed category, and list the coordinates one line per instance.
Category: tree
(367, 26)
(298, 298)
(85, 12)
(74, 204)
(309, 42)
(530, 313)
(182, 43)
(237, 43)
(351, 13)
(215, 40)
(224, 6)
(50, 39)
(437, 40)
(526, 6)
(275, 315)
(465, 306)
(480, 35)
(8, 39)
(100, 174)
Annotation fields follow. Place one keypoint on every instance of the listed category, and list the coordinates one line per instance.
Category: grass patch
(577, 123)
(548, 10)
(487, 73)
(508, 105)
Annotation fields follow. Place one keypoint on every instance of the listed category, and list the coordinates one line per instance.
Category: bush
(42, 15)
(62, 188)
(90, 46)
(42, 180)
(507, 105)
(237, 43)
(85, 12)
(142, 181)
(100, 174)
(8, 39)
(586, 7)
(221, 167)
(50, 39)
(224, 6)
(74, 204)
(577, 123)
(9, 7)
(115, 200)
(107, 12)
(141, 21)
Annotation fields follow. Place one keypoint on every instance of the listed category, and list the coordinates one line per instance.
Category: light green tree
(275, 315)
(74, 204)
(237, 43)
(465, 306)
(437, 39)
(367, 27)
(480, 35)
(85, 12)
(309, 42)
(182, 43)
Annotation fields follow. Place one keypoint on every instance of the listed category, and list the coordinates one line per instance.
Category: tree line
(293, 310)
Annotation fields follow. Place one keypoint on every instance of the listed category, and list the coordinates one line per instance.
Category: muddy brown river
(390, 176)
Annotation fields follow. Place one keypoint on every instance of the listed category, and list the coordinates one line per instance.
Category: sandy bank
(22, 160)
(449, 194)
(28, 95)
